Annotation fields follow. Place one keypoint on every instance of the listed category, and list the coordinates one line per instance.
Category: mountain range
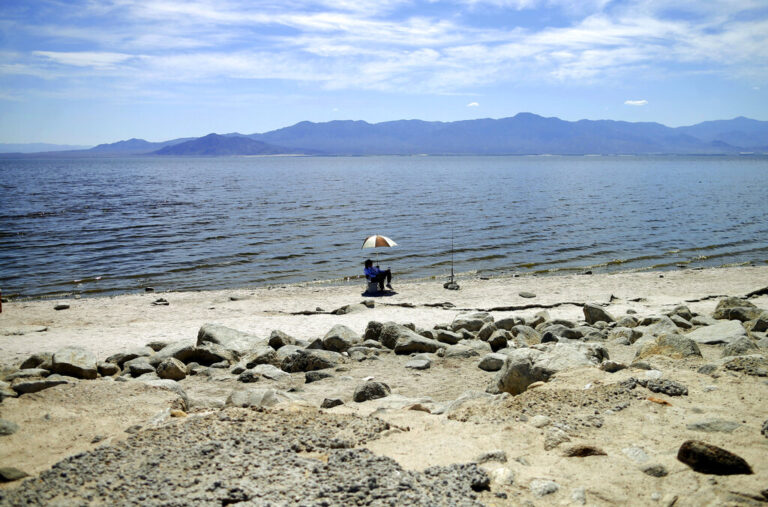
(522, 134)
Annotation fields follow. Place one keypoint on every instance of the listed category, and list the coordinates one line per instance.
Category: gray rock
(409, 343)
(539, 318)
(723, 332)
(331, 402)
(74, 362)
(8, 427)
(38, 360)
(255, 398)
(733, 308)
(122, 357)
(626, 335)
(541, 487)
(471, 322)
(10, 474)
(659, 325)
(499, 339)
(278, 339)
(655, 470)
(594, 313)
(744, 346)
(156, 345)
(668, 387)
(527, 334)
(460, 351)
(138, 366)
(248, 377)
(559, 331)
(681, 322)
(418, 364)
(554, 437)
(449, 337)
(371, 391)
(612, 366)
(6, 391)
(539, 421)
(171, 369)
(61, 306)
(492, 362)
(168, 385)
(34, 386)
(309, 360)
(340, 338)
(314, 376)
(703, 320)
(710, 459)
(486, 331)
(674, 346)
(714, 425)
(106, 369)
(262, 354)
(270, 372)
(230, 339)
(508, 323)
(627, 321)
(636, 454)
(373, 331)
(391, 333)
(497, 455)
(27, 373)
(579, 496)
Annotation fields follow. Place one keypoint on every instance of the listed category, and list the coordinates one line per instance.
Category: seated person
(375, 274)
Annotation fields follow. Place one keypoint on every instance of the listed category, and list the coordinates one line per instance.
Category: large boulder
(171, 369)
(279, 339)
(732, 308)
(412, 342)
(725, 331)
(486, 331)
(594, 313)
(231, 339)
(310, 360)
(372, 331)
(181, 350)
(392, 332)
(518, 372)
(340, 338)
(74, 362)
(526, 334)
(471, 322)
(671, 345)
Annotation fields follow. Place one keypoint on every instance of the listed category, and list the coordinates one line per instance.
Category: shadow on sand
(379, 293)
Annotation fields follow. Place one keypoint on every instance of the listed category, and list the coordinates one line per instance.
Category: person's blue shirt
(372, 272)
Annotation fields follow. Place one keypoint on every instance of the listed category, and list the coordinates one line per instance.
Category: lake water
(210, 223)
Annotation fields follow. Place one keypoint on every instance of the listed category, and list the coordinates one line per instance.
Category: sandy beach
(432, 420)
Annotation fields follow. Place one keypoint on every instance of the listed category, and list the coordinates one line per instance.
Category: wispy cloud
(473, 104)
(636, 102)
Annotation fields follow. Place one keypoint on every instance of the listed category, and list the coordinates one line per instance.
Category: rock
(555, 437)
(214, 355)
(764, 430)
(449, 337)
(759, 325)
(612, 366)
(278, 339)
(627, 321)
(262, 354)
(527, 334)
(754, 364)
(714, 425)
(160, 302)
(541, 487)
(527, 295)
(74, 362)
(261, 398)
(636, 454)
(579, 496)
(340, 338)
(314, 376)
(559, 331)
(271, 372)
(503, 475)
(8, 427)
(371, 391)
(498, 340)
(460, 351)
(10, 474)
(659, 326)
(674, 346)
(171, 369)
(331, 402)
(184, 351)
(248, 377)
(138, 366)
(156, 345)
(353, 308)
(594, 313)
(373, 331)
(61, 306)
(471, 322)
(122, 357)
(582, 451)
(107, 369)
(539, 421)
(309, 360)
(655, 470)
(681, 322)
(667, 387)
(418, 364)
(6, 391)
(391, 333)
(723, 332)
(539, 318)
(486, 331)
(411, 342)
(492, 362)
(508, 323)
(27, 373)
(33, 386)
(709, 459)
(497, 455)
(626, 335)
(39, 360)
(744, 346)
(230, 339)
(733, 308)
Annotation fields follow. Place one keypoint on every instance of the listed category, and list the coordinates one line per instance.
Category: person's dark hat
(367, 261)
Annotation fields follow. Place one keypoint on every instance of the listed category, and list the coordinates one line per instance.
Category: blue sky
(88, 72)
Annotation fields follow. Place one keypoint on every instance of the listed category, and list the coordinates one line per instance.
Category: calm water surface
(208, 223)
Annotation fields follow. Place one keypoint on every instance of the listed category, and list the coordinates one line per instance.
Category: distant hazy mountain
(38, 147)
(523, 134)
(218, 145)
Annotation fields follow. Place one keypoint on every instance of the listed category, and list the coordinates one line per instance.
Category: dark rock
(314, 376)
(594, 313)
(498, 456)
(8, 427)
(209, 354)
(309, 360)
(527, 295)
(33, 386)
(27, 373)
(486, 331)
(668, 387)
(263, 354)
(279, 339)
(449, 337)
(412, 342)
(160, 302)
(371, 391)
(37, 361)
(61, 306)
(655, 470)
(340, 338)
(749, 365)
(74, 362)
(107, 369)
(612, 366)
(138, 366)
(373, 330)
(733, 308)
(741, 347)
(248, 377)
(498, 340)
(122, 357)
(10, 474)
(492, 362)
(331, 402)
(172, 369)
(681, 322)
(764, 430)
(582, 451)
(418, 364)
(156, 345)
(709, 459)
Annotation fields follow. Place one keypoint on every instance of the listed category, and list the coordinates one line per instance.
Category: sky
(89, 72)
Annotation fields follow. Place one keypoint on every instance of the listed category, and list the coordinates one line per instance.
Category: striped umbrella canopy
(376, 241)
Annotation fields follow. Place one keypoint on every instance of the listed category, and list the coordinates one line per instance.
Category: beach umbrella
(377, 241)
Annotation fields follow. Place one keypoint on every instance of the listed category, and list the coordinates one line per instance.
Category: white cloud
(636, 102)
(99, 59)
(473, 104)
